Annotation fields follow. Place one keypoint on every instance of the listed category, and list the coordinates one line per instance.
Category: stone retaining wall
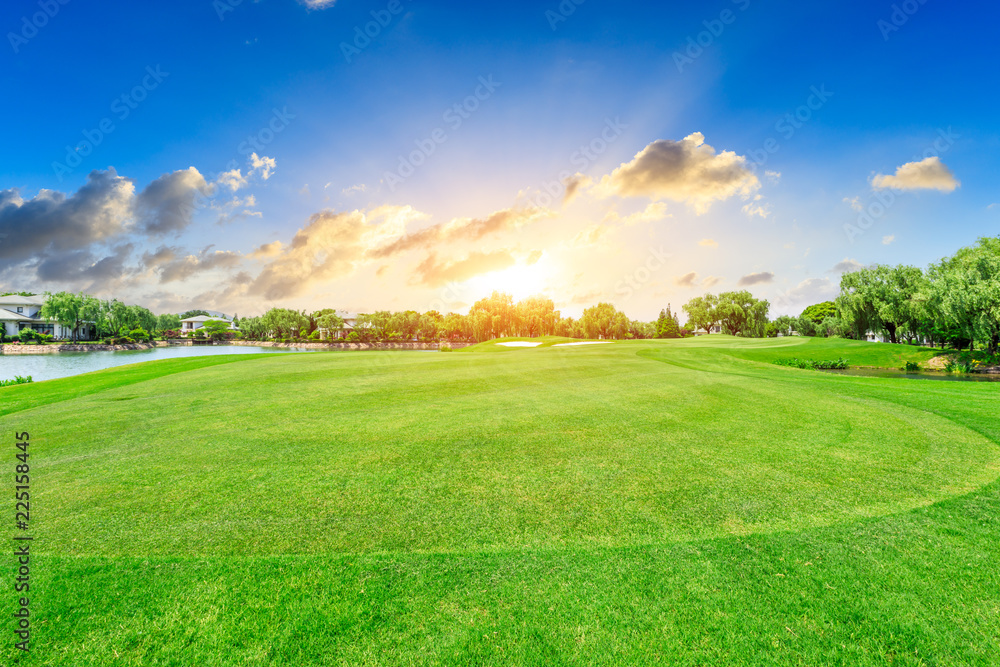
(70, 347)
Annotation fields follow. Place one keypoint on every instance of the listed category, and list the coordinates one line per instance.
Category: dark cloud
(182, 268)
(756, 279)
(50, 225)
(845, 266)
(167, 205)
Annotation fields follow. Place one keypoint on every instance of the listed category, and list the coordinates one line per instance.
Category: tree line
(954, 302)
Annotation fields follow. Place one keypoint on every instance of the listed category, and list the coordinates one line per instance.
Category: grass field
(648, 502)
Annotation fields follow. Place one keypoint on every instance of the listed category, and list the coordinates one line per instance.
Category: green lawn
(649, 502)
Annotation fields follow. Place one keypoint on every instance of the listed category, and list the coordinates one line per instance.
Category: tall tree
(743, 315)
(703, 312)
(604, 321)
(66, 308)
(880, 298)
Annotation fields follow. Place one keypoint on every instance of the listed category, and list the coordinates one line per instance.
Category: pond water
(924, 375)
(64, 364)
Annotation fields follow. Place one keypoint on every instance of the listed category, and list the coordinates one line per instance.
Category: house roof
(15, 300)
(204, 318)
(11, 316)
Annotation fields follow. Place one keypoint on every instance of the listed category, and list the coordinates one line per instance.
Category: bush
(911, 367)
(822, 365)
(17, 380)
(27, 336)
(445, 347)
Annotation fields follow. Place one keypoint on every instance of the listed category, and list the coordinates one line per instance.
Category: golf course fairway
(682, 502)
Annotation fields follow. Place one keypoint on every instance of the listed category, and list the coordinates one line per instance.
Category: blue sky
(695, 178)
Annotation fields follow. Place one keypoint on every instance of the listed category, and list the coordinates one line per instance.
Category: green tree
(880, 298)
(667, 325)
(66, 308)
(703, 312)
(285, 323)
(820, 311)
(743, 315)
(604, 321)
(217, 329)
(168, 321)
(328, 319)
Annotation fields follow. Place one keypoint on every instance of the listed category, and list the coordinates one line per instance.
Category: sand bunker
(519, 343)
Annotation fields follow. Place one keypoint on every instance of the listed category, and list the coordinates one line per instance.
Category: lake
(64, 364)
(924, 375)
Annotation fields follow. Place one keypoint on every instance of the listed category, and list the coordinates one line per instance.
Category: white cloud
(886, 240)
(655, 212)
(234, 180)
(756, 208)
(264, 166)
(318, 4)
(353, 190)
(854, 203)
(687, 171)
(773, 176)
(708, 243)
(928, 174)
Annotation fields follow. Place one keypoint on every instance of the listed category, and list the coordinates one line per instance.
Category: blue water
(924, 375)
(64, 364)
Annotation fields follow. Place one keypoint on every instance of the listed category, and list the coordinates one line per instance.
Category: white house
(192, 324)
(717, 329)
(23, 312)
(350, 324)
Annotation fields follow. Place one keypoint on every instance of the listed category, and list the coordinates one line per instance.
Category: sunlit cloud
(688, 171)
(928, 174)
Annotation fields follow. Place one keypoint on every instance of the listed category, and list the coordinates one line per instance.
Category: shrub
(911, 367)
(445, 347)
(823, 365)
(17, 380)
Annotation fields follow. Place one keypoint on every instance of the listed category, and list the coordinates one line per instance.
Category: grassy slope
(620, 504)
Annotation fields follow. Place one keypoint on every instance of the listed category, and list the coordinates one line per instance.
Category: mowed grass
(649, 502)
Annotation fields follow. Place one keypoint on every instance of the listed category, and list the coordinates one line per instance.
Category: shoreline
(14, 350)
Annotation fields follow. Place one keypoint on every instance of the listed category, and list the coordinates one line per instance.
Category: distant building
(24, 312)
(192, 324)
(717, 329)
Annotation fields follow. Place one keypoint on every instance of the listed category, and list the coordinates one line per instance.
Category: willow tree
(743, 315)
(882, 298)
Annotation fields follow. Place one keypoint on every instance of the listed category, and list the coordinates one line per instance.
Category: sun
(520, 280)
